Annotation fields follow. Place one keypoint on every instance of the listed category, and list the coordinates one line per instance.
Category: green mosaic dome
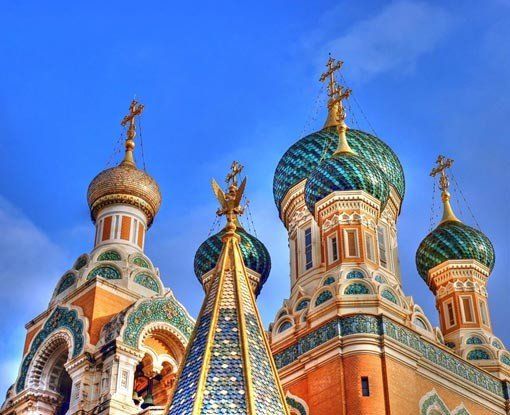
(255, 255)
(453, 240)
(345, 171)
(304, 156)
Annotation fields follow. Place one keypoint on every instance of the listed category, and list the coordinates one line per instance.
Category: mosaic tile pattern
(147, 281)
(298, 406)
(65, 283)
(304, 156)
(357, 289)
(478, 354)
(109, 256)
(453, 240)
(389, 296)
(382, 326)
(302, 305)
(141, 262)
(345, 172)
(81, 262)
(61, 317)
(352, 275)
(224, 388)
(323, 297)
(160, 309)
(329, 281)
(107, 272)
(474, 340)
(255, 255)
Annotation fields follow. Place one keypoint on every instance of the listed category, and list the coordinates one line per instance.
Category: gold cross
(333, 66)
(235, 169)
(443, 164)
(135, 109)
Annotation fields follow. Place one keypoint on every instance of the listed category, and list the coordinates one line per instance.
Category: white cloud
(394, 39)
(31, 263)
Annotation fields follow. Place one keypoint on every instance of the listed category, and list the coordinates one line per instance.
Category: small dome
(345, 171)
(125, 184)
(304, 156)
(453, 240)
(255, 255)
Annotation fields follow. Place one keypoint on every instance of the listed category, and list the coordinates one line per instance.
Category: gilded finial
(443, 164)
(336, 110)
(230, 201)
(135, 109)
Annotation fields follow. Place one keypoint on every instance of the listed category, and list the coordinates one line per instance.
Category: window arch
(303, 304)
(389, 295)
(323, 297)
(109, 256)
(108, 272)
(355, 274)
(478, 354)
(284, 326)
(357, 288)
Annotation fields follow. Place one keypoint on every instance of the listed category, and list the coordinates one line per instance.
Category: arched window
(109, 256)
(388, 295)
(107, 272)
(328, 281)
(478, 354)
(323, 297)
(284, 326)
(302, 304)
(355, 275)
(357, 289)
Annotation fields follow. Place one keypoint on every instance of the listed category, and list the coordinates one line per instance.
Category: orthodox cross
(235, 169)
(341, 93)
(443, 163)
(333, 66)
(135, 109)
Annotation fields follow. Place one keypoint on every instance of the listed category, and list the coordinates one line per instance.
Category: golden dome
(125, 183)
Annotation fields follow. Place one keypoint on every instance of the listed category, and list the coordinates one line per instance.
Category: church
(346, 341)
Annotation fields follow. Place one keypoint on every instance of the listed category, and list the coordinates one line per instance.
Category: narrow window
(468, 310)
(369, 242)
(381, 239)
(351, 242)
(451, 315)
(334, 249)
(107, 228)
(483, 312)
(365, 387)
(308, 248)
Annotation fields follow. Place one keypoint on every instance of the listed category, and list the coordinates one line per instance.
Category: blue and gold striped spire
(228, 368)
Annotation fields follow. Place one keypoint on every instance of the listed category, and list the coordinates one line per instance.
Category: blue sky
(237, 80)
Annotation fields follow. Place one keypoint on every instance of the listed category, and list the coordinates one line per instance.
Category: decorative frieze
(382, 326)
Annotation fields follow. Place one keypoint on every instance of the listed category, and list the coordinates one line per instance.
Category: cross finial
(230, 201)
(333, 66)
(135, 109)
(235, 169)
(442, 164)
(337, 94)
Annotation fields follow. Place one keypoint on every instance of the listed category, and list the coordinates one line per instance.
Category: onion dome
(305, 155)
(345, 171)
(255, 255)
(125, 183)
(452, 239)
